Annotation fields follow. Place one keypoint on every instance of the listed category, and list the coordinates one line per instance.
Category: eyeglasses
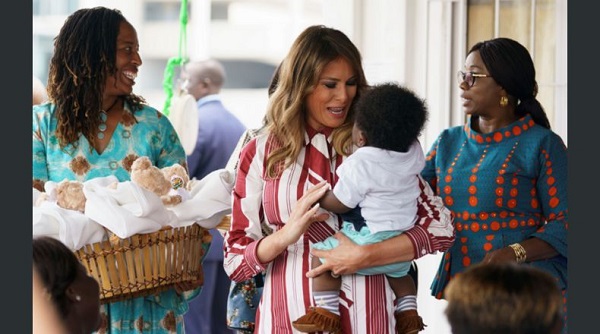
(469, 77)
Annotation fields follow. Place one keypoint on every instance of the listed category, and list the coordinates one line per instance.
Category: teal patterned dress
(502, 187)
(146, 132)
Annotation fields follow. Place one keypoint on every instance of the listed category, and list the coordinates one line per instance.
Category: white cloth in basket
(127, 209)
(210, 200)
(71, 227)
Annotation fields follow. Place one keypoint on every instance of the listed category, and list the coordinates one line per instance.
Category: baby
(381, 180)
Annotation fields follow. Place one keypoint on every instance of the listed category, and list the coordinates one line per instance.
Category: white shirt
(384, 184)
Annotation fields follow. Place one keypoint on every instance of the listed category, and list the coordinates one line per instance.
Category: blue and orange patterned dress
(502, 187)
(146, 133)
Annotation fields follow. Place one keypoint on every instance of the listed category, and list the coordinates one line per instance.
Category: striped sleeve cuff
(422, 243)
(250, 266)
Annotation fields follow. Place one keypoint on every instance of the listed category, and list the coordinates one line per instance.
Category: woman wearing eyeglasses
(504, 173)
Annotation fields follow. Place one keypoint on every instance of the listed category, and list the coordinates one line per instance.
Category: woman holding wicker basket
(94, 126)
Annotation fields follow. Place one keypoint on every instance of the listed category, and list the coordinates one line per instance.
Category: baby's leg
(326, 315)
(402, 286)
(326, 289)
(325, 281)
(405, 305)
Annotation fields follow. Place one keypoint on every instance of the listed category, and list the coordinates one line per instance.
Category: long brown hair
(299, 72)
(84, 56)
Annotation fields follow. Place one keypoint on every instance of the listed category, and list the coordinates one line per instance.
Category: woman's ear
(72, 294)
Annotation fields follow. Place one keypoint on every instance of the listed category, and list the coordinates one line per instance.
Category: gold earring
(503, 101)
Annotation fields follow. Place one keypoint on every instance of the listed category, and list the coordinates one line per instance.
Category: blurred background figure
(65, 282)
(218, 129)
(504, 298)
(45, 319)
(218, 133)
(39, 91)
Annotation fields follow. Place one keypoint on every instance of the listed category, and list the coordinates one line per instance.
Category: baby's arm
(330, 203)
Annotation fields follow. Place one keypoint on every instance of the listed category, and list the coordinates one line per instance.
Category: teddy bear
(69, 195)
(180, 180)
(151, 178)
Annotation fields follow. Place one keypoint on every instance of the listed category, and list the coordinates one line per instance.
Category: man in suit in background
(218, 133)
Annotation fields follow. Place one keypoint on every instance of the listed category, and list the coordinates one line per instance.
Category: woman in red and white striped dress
(282, 174)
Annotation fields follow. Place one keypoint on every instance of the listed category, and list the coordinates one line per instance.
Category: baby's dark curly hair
(391, 116)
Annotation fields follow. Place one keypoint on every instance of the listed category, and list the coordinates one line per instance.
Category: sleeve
(434, 229)
(349, 189)
(551, 187)
(245, 233)
(171, 150)
(41, 124)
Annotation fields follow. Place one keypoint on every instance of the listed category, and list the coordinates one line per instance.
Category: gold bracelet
(519, 252)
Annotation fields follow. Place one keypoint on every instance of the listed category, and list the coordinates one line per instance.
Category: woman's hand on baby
(343, 259)
(305, 213)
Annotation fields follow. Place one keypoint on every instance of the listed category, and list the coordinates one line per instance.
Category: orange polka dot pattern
(502, 187)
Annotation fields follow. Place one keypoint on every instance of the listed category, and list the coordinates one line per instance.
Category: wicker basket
(224, 224)
(145, 264)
